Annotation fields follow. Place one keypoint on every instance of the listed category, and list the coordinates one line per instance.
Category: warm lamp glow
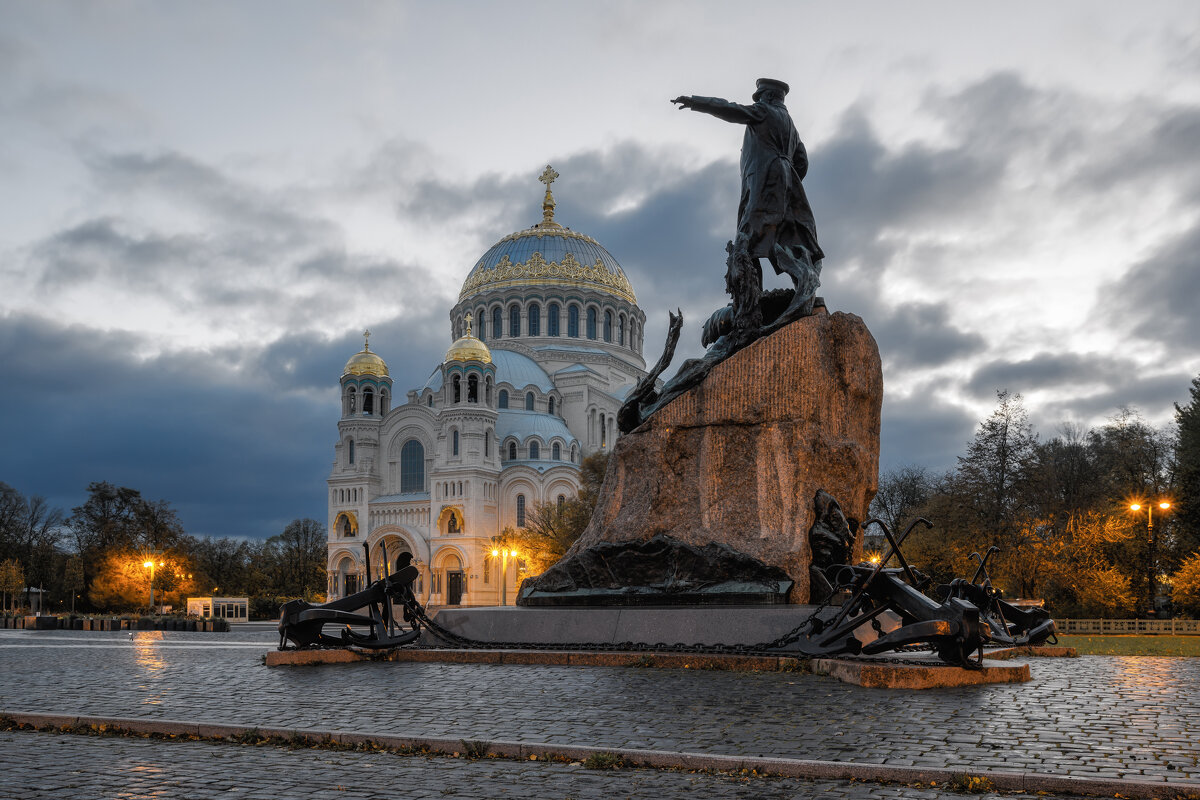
(495, 552)
(148, 564)
(1164, 506)
(1135, 506)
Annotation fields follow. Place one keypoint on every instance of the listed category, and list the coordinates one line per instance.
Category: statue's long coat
(773, 208)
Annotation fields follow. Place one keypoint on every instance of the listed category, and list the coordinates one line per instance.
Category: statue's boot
(806, 275)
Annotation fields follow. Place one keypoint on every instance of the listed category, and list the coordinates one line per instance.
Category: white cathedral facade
(547, 343)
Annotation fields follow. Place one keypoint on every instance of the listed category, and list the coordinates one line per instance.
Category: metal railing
(1129, 627)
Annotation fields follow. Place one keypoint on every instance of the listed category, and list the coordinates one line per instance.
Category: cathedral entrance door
(454, 588)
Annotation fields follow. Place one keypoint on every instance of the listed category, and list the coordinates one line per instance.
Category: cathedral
(547, 342)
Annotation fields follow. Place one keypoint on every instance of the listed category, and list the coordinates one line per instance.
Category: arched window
(351, 399)
(350, 451)
(457, 389)
(591, 323)
(383, 402)
(550, 404)
(552, 320)
(497, 322)
(535, 320)
(562, 501)
(520, 511)
(529, 401)
(621, 330)
(412, 467)
(487, 444)
(429, 401)
(573, 320)
(556, 452)
(487, 391)
(481, 319)
(368, 401)
(503, 398)
(488, 561)
(472, 388)
(608, 326)
(534, 450)
(514, 321)
(455, 438)
(572, 454)
(512, 451)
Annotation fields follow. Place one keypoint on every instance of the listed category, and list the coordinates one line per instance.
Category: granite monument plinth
(738, 459)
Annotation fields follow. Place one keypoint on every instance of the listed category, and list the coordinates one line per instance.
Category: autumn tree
(1185, 586)
(122, 580)
(296, 559)
(12, 581)
(1187, 471)
(902, 492)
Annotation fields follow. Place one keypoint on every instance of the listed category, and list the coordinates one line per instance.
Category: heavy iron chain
(772, 648)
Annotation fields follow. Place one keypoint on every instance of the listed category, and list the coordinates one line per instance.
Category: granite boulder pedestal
(738, 459)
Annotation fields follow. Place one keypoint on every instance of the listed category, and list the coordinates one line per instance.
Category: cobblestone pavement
(1091, 717)
(53, 766)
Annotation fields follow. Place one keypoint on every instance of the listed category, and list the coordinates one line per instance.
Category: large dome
(548, 254)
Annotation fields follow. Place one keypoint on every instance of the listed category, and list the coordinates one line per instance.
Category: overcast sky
(203, 204)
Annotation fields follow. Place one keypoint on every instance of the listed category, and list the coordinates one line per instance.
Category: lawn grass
(1133, 645)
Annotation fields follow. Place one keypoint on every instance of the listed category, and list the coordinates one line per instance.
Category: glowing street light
(504, 553)
(149, 564)
(1152, 544)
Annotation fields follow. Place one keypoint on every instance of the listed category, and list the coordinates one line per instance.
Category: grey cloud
(1153, 394)
(918, 335)
(922, 430)
(1156, 300)
(1075, 371)
(239, 440)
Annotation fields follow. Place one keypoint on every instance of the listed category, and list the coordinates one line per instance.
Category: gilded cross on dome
(547, 177)
(366, 340)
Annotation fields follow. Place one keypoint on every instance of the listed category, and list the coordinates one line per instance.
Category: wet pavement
(1108, 717)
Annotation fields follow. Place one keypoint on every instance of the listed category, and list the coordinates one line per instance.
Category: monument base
(545, 627)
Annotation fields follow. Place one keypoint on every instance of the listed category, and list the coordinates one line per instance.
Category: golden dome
(468, 348)
(548, 254)
(365, 362)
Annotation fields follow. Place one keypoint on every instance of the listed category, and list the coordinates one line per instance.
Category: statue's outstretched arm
(721, 109)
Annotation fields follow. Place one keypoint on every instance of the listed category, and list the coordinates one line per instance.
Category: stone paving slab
(49, 766)
(1093, 717)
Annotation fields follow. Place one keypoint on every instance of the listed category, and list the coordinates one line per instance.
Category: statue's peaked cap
(764, 84)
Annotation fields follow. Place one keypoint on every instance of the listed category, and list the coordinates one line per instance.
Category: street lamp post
(150, 566)
(504, 553)
(1152, 546)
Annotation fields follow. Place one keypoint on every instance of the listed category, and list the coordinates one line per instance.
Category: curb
(657, 759)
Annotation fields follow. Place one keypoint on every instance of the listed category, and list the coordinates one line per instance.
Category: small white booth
(234, 609)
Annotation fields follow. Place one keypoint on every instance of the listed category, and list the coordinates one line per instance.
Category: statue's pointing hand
(684, 102)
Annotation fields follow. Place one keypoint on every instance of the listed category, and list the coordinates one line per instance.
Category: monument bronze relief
(831, 540)
(774, 222)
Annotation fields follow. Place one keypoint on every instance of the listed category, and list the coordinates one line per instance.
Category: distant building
(547, 343)
(234, 609)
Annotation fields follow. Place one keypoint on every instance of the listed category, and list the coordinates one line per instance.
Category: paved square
(1093, 717)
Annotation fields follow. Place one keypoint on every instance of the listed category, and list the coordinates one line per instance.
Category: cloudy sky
(203, 204)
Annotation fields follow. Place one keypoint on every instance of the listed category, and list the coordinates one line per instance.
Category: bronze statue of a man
(774, 219)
